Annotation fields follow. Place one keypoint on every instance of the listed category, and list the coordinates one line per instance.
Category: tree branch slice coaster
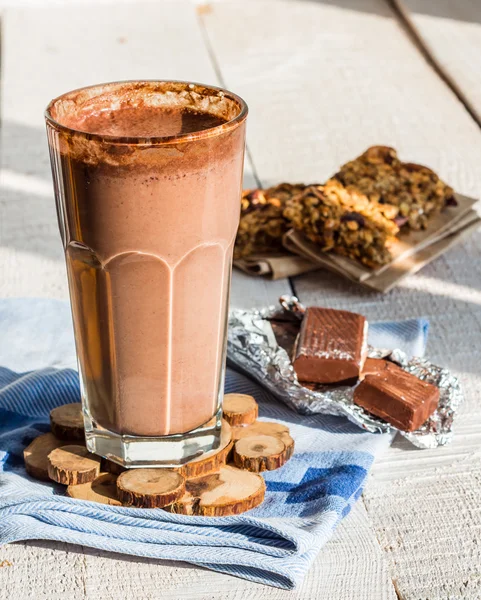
(67, 422)
(239, 409)
(103, 489)
(205, 486)
(209, 461)
(111, 467)
(36, 454)
(268, 428)
(150, 488)
(260, 453)
(230, 491)
(72, 465)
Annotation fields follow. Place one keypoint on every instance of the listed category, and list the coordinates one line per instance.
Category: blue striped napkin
(273, 544)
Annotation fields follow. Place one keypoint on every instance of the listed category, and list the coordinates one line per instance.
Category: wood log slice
(266, 428)
(209, 461)
(260, 453)
(103, 489)
(72, 465)
(36, 455)
(67, 422)
(111, 467)
(230, 491)
(150, 488)
(239, 409)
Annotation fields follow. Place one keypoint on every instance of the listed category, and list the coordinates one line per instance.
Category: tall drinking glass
(147, 178)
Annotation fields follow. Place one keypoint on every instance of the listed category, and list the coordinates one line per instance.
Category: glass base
(132, 451)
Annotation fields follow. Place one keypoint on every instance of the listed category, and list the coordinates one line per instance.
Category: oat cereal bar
(343, 222)
(410, 192)
(262, 223)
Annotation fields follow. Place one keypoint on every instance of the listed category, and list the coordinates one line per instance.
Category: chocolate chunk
(398, 397)
(331, 346)
(374, 366)
(286, 333)
(354, 216)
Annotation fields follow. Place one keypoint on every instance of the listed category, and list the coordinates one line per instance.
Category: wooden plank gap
(416, 39)
(220, 77)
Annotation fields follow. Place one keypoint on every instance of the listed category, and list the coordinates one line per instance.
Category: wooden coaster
(150, 488)
(36, 454)
(230, 491)
(72, 465)
(269, 428)
(205, 486)
(209, 461)
(67, 422)
(111, 467)
(102, 489)
(239, 409)
(260, 453)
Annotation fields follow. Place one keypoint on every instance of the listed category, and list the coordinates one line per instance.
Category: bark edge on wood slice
(230, 491)
(270, 428)
(67, 422)
(36, 454)
(103, 490)
(111, 467)
(150, 488)
(72, 465)
(260, 453)
(239, 409)
(212, 460)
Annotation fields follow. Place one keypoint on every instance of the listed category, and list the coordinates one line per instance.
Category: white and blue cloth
(273, 544)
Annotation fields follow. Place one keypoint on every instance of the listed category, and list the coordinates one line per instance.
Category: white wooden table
(324, 79)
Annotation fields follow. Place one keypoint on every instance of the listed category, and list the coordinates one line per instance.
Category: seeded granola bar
(262, 224)
(343, 222)
(357, 213)
(411, 192)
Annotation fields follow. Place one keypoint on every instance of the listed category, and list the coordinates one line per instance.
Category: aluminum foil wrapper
(253, 348)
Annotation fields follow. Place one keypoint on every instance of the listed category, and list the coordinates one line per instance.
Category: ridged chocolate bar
(331, 346)
(398, 397)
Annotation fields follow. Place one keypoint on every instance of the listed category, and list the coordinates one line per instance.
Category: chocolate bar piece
(331, 346)
(373, 366)
(398, 397)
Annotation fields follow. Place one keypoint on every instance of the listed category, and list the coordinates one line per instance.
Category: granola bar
(262, 224)
(411, 192)
(357, 213)
(342, 221)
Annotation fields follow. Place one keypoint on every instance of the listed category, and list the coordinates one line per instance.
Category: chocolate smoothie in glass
(147, 180)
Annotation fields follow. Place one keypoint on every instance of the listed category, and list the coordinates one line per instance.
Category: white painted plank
(324, 80)
(451, 34)
(47, 52)
(429, 524)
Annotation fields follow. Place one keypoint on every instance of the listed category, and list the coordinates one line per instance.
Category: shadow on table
(87, 551)
(468, 12)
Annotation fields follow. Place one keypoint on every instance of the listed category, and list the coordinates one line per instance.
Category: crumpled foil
(252, 347)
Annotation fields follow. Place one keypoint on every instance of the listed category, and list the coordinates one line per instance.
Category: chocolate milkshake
(148, 180)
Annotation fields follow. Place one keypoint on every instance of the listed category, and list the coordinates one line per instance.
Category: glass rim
(154, 140)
